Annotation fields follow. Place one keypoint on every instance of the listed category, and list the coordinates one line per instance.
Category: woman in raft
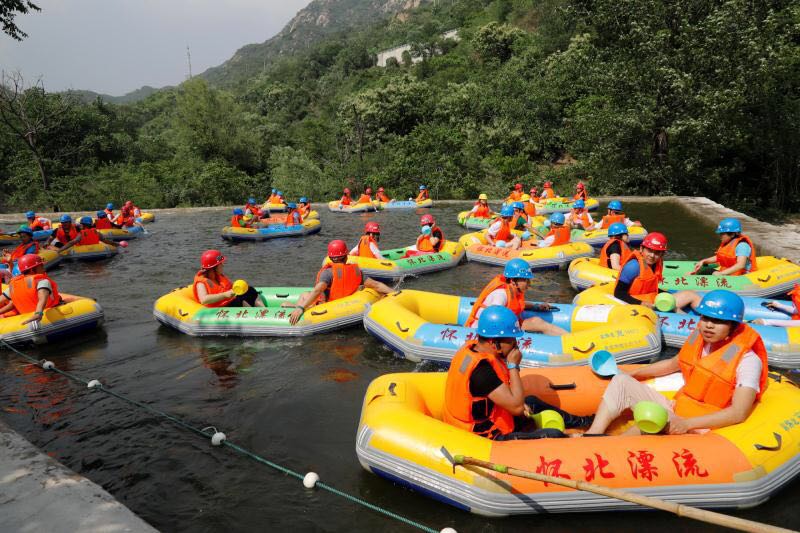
(213, 289)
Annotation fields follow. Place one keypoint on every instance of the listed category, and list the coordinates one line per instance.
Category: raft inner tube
(550, 258)
(273, 231)
(74, 316)
(395, 265)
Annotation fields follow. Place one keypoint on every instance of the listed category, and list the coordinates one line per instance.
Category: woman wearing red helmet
(368, 244)
(346, 199)
(516, 193)
(432, 238)
(547, 191)
(580, 192)
(365, 198)
(30, 292)
(213, 289)
(335, 280)
(382, 196)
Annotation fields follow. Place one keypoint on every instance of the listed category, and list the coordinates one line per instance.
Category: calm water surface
(294, 401)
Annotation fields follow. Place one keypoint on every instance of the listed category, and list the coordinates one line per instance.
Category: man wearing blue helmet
(65, 233)
(293, 216)
(304, 206)
(559, 232)
(724, 367)
(484, 393)
(615, 214)
(499, 232)
(37, 223)
(579, 217)
(25, 247)
(88, 235)
(251, 208)
(736, 254)
(423, 194)
(508, 289)
(238, 219)
(615, 252)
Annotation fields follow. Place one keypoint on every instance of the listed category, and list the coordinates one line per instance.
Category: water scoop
(548, 419)
(240, 287)
(665, 302)
(603, 364)
(650, 417)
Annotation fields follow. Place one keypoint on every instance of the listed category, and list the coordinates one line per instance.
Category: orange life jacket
(422, 196)
(483, 211)
(64, 237)
(89, 236)
(476, 414)
(515, 300)
(795, 294)
(125, 219)
(645, 286)
(581, 218)
(304, 209)
(290, 218)
(40, 223)
(504, 233)
(548, 193)
(424, 241)
(255, 211)
(530, 209)
(581, 195)
(346, 200)
(212, 287)
(726, 255)
(237, 221)
(515, 196)
(605, 260)
(562, 234)
(103, 223)
(364, 199)
(24, 249)
(347, 278)
(516, 218)
(611, 219)
(364, 249)
(383, 198)
(710, 381)
(24, 294)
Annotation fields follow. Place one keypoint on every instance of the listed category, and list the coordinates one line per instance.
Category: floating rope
(218, 438)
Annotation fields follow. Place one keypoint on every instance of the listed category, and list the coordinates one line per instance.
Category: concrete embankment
(37, 493)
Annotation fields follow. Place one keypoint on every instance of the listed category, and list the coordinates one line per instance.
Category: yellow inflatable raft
(77, 314)
(90, 252)
(181, 311)
(146, 218)
(774, 277)
(402, 438)
(421, 325)
(553, 257)
(50, 258)
(353, 208)
(396, 266)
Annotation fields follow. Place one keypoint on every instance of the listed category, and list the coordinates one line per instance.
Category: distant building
(397, 51)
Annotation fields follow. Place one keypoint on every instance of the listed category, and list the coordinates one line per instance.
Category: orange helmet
(211, 258)
(655, 241)
(29, 261)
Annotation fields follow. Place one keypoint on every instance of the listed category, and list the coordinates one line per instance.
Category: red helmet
(518, 186)
(548, 184)
(534, 190)
(655, 241)
(372, 227)
(427, 220)
(129, 203)
(346, 190)
(29, 261)
(337, 248)
(211, 258)
(368, 191)
(579, 185)
(380, 189)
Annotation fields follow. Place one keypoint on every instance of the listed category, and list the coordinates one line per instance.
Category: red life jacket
(364, 249)
(483, 211)
(645, 286)
(424, 241)
(611, 219)
(562, 234)
(605, 260)
(515, 300)
(710, 381)
(726, 255)
(213, 287)
(346, 200)
(347, 278)
(89, 236)
(476, 414)
(64, 237)
(103, 223)
(25, 296)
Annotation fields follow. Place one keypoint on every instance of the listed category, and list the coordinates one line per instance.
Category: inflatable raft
(273, 231)
(421, 325)
(13, 238)
(121, 234)
(562, 205)
(395, 266)
(275, 208)
(280, 218)
(50, 257)
(180, 310)
(406, 204)
(353, 208)
(774, 277)
(598, 237)
(90, 252)
(553, 257)
(481, 223)
(76, 315)
(401, 438)
(146, 218)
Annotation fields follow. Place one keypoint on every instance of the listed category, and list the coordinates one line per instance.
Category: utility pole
(189, 60)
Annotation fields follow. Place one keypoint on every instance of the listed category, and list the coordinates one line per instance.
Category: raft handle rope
(218, 438)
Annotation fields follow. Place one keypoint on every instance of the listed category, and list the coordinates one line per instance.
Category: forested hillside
(647, 97)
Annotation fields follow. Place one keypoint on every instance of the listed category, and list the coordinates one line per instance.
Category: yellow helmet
(482, 196)
(248, 216)
(526, 198)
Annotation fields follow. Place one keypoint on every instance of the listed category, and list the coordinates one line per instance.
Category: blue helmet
(251, 200)
(723, 305)
(518, 268)
(30, 214)
(109, 205)
(498, 322)
(617, 228)
(729, 225)
(291, 205)
(507, 211)
(101, 214)
(615, 205)
(303, 200)
(274, 191)
(66, 218)
(86, 221)
(578, 204)
(518, 205)
(557, 218)
(280, 193)
(422, 187)
(25, 229)
(238, 211)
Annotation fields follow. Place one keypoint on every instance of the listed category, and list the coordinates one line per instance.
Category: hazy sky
(116, 46)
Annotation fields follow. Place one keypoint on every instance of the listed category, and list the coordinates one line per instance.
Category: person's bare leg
(684, 298)
(537, 325)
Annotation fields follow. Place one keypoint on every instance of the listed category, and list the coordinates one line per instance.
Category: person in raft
(792, 309)
(368, 243)
(102, 221)
(520, 219)
(508, 289)
(251, 208)
(484, 393)
(547, 191)
(335, 280)
(499, 232)
(366, 197)
(88, 235)
(110, 211)
(580, 192)
(481, 208)
(293, 216)
(579, 217)
(615, 214)
(30, 292)
(643, 270)
(615, 252)
(724, 367)
(431, 239)
(516, 194)
(37, 223)
(27, 246)
(65, 233)
(304, 206)
(345, 200)
(212, 288)
(273, 197)
(530, 206)
(534, 194)
(238, 219)
(736, 254)
(382, 197)
(559, 232)
(423, 194)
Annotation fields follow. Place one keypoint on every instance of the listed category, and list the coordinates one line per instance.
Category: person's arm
(107, 240)
(622, 292)
(657, 369)
(741, 406)
(741, 263)
(375, 250)
(546, 242)
(703, 262)
(511, 397)
(302, 302)
(206, 299)
(489, 235)
(782, 307)
(71, 243)
(354, 251)
(630, 223)
(43, 295)
(378, 286)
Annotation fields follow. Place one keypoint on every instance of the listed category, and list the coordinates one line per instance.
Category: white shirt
(496, 297)
(495, 227)
(748, 373)
(547, 241)
(628, 223)
(568, 217)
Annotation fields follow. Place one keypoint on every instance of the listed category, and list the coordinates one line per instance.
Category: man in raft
(736, 254)
(335, 280)
(213, 289)
(724, 367)
(547, 191)
(615, 252)
(516, 194)
(423, 194)
(579, 217)
(27, 246)
(368, 243)
(238, 219)
(508, 289)
(102, 221)
(615, 214)
(304, 207)
(484, 393)
(381, 196)
(30, 292)
(293, 216)
(559, 232)
(65, 233)
(499, 232)
(88, 235)
(37, 223)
